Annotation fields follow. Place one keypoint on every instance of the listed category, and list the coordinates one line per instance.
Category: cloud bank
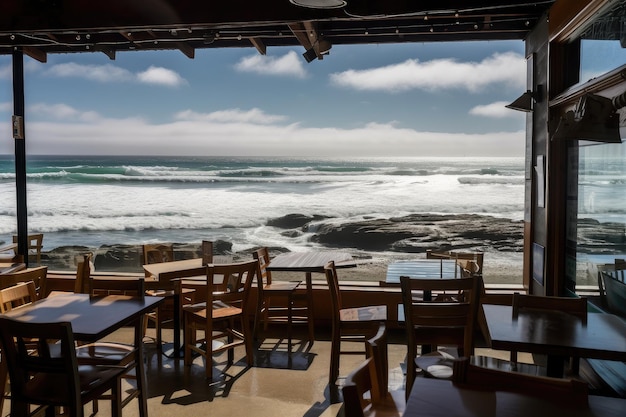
(239, 132)
(113, 74)
(438, 74)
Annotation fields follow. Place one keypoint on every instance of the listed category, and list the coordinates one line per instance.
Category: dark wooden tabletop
(440, 398)
(550, 332)
(91, 318)
(313, 261)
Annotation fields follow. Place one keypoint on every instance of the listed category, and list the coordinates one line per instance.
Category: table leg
(555, 366)
(142, 385)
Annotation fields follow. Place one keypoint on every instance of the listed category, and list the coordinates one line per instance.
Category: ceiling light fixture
(319, 4)
(526, 102)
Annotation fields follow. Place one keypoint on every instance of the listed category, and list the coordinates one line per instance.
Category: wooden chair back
(35, 245)
(234, 288)
(158, 252)
(207, 252)
(134, 287)
(365, 390)
(17, 295)
(37, 275)
(83, 272)
(576, 306)
(333, 287)
(614, 293)
(263, 256)
(454, 305)
(572, 393)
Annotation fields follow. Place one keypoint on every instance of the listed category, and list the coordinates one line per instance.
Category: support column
(19, 135)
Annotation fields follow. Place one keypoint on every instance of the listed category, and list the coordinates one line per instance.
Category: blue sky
(373, 100)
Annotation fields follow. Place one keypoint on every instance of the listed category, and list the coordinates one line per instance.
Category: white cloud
(100, 73)
(162, 76)
(289, 65)
(439, 74)
(496, 109)
(62, 112)
(239, 133)
(6, 106)
(110, 73)
(254, 115)
(6, 72)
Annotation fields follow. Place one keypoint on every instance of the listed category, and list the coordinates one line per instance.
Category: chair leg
(116, 395)
(157, 329)
(247, 341)
(335, 352)
(189, 337)
(4, 378)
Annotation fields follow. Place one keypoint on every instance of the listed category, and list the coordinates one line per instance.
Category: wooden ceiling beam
(259, 45)
(36, 53)
(186, 49)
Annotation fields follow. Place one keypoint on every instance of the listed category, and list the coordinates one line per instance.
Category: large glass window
(597, 210)
(603, 43)
(601, 225)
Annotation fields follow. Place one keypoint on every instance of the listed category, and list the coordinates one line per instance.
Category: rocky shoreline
(368, 240)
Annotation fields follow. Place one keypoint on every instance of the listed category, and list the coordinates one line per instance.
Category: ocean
(94, 200)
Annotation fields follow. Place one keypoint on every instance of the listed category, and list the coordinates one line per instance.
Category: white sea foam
(130, 200)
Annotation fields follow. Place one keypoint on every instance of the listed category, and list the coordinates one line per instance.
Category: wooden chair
(116, 354)
(438, 312)
(268, 311)
(36, 275)
(35, 244)
(226, 304)
(576, 306)
(52, 380)
(365, 390)
(157, 253)
(355, 324)
(570, 393)
(14, 296)
(169, 286)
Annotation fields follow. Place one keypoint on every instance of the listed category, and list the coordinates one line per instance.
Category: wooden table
(310, 262)
(92, 318)
(153, 271)
(558, 335)
(423, 269)
(439, 398)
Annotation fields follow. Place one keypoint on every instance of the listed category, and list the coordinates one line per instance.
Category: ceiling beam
(259, 45)
(186, 49)
(36, 53)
